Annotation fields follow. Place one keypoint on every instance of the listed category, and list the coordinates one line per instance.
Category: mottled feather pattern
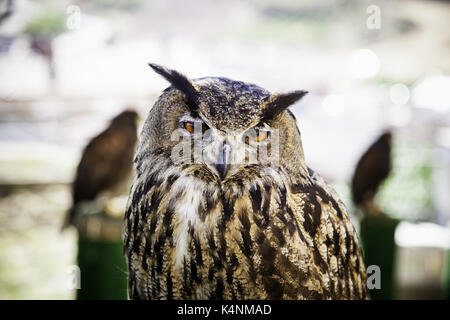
(242, 240)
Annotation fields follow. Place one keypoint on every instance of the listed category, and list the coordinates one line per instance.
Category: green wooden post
(102, 264)
(377, 236)
(446, 284)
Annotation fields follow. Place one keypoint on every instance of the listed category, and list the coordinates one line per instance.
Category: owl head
(216, 128)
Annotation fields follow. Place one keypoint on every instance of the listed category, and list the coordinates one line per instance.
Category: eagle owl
(223, 205)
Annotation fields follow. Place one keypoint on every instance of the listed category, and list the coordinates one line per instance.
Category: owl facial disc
(237, 116)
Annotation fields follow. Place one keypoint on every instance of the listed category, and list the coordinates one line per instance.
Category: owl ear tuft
(278, 102)
(179, 81)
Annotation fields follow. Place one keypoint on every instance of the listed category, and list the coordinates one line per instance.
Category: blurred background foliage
(406, 194)
(49, 23)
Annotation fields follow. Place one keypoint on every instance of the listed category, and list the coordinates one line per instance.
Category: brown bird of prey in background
(230, 223)
(106, 161)
(373, 167)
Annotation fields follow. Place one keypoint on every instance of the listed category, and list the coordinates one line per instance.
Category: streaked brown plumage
(373, 167)
(106, 160)
(233, 230)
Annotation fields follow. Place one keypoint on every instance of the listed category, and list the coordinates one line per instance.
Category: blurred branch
(8, 11)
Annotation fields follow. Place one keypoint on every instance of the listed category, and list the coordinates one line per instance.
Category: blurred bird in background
(377, 228)
(372, 169)
(106, 162)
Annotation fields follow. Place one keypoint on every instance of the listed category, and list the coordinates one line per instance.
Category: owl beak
(223, 164)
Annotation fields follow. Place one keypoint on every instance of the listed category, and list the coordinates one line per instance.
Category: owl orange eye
(189, 126)
(258, 135)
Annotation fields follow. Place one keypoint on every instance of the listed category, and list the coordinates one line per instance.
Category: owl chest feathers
(190, 238)
(189, 193)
